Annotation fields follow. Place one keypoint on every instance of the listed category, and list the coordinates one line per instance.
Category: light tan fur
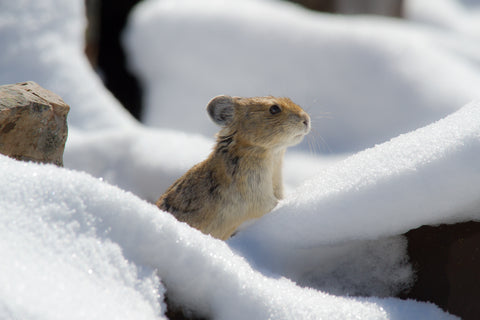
(242, 177)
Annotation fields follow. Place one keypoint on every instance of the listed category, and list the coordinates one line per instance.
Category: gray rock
(33, 123)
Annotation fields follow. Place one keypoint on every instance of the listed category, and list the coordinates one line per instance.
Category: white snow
(74, 246)
(42, 41)
(429, 176)
(460, 17)
(57, 260)
(66, 238)
(137, 159)
(364, 80)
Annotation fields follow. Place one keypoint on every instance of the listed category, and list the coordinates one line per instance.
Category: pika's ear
(221, 109)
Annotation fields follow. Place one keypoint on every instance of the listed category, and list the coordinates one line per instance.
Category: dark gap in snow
(446, 259)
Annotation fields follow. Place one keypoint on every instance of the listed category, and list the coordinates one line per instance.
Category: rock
(33, 123)
(446, 259)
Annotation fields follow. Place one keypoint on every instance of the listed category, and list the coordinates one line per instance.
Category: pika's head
(262, 121)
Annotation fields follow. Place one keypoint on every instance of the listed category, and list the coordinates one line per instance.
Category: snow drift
(363, 80)
(79, 248)
(57, 262)
(43, 41)
(429, 176)
(75, 246)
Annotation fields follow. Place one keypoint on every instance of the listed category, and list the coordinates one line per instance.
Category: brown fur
(242, 177)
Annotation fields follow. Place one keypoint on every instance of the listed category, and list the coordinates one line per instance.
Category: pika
(242, 177)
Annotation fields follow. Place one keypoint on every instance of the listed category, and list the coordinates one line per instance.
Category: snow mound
(58, 260)
(43, 41)
(143, 161)
(461, 17)
(429, 176)
(79, 248)
(374, 78)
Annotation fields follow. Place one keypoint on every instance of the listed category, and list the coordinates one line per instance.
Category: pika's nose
(306, 121)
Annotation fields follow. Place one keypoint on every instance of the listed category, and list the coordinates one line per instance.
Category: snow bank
(76, 247)
(459, 20)
(43, 41)
(429, 176)
(56, 261)
(371, 78)
(461, 17)
(145, 162)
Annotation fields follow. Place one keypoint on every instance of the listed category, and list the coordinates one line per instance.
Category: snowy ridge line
(202, 273)
(428, 176)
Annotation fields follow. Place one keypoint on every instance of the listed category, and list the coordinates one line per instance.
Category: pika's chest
(254, 192)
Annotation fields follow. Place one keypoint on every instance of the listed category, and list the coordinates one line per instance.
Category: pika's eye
(275, 109)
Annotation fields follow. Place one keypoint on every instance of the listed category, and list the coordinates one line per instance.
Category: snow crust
(74, 246)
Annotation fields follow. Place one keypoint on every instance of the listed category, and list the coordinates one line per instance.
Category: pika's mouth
(300, 136)
(306, 130)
